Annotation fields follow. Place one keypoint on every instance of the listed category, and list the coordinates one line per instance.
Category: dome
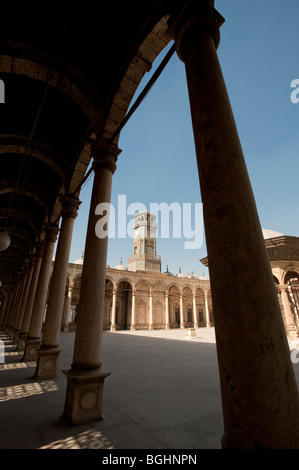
(181, 274)
(271, 234)
(192, 276)
(81, 260)
(121, 267)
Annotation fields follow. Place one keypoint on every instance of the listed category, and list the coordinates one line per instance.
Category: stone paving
(163, 393)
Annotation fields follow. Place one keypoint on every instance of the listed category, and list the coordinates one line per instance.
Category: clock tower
(144, 256)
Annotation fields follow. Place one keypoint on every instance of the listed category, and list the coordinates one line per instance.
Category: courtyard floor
(163, 393)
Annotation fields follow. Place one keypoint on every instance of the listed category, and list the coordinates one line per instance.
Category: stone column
(85, 379)
(181, 311)
(208, 320)
(133, 326)
(38, 309)
(19, 309)
(150, 326)
(67, 309)
(194, 312)
(48, 352)
(113, 319)
(23, 334)
(167, 322)
(258, 386)
(290, 320)
(33, 277)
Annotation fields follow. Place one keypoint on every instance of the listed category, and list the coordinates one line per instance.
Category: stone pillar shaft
(167, 322)
(258, 386)
(194, 312)
(133, 327)
(150, 311)
(181, 312)
(85, 379)
(113, 317)
(208, 320)
(48, 352)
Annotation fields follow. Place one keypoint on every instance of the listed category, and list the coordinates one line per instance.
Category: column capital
(105, 155)
(190, 23)
(51, 232)
(70, 206)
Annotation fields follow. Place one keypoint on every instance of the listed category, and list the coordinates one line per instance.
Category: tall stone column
(208, 320)
(133, 326)
(113, 317)
(67, 309)
(181, 311)
(258, 386)
(38, 309)
(167, 321)
(150, 326)
(48, 353)
(290, 320)
(32, 286)
(194, 312)
(85, 379)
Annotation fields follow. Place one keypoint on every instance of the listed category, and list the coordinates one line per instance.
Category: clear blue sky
(259, 56)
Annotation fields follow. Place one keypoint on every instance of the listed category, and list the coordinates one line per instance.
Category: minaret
(144, 256)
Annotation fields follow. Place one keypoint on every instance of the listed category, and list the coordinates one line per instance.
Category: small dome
(192, 276)
(181, 274)
(168, 272)
(121, 267)
(271, 234)
(203, 277)
(81, 260)
(107, 266)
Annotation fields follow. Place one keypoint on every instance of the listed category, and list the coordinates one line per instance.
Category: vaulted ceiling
(69, 74)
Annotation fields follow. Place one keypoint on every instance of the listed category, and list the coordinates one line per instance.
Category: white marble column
(181, 312)
(133, 325)
(194, 312)
(290, 320)
(167, 321)
(207, 311)
(85, 379)
(47, 359)
(113, 319)
(67, 309)
(150, 323)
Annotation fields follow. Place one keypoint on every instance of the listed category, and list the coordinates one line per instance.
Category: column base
(84, 396)
(167, 327)
(47, 362)
(30, 349)
(113, 328)
(133, 328)
(225, 444)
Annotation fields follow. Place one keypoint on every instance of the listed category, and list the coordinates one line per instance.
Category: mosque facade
(140, 296)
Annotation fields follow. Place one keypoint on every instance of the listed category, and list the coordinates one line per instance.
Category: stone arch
(142, 290)
(200, 306)
(153, 44)
(174, 306)
(123, 314)
(291, 279)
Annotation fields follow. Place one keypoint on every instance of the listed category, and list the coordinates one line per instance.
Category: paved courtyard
(163, 393)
